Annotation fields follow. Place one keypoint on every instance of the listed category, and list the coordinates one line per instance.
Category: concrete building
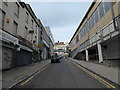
(45, 44)
(61, 48)
(96, 38)
(19, 34)
(49, 33)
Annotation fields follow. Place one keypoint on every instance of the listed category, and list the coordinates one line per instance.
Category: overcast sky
(62, 17)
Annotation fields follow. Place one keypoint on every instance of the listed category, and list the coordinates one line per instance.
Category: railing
(105, 33)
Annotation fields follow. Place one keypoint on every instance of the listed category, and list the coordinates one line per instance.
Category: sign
(40, 45)
(6, 36)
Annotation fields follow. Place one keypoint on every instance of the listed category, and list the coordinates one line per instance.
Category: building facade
(96, 38)
(61, 48)
(20, 34)
(51, 43)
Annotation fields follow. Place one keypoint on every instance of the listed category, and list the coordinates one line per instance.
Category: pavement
(61, 75)
(13, 76)
(110, 73)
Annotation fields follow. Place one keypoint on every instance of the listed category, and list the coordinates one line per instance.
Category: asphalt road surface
(61, 75)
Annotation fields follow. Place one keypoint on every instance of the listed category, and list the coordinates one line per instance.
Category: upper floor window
(5, 2)
(27, 17)
(36, 29)
(15, 27)
(32, 23)
(96, 16)
(101, 10)
(107, 6)
(41, 32)
(3, 19)
(17, 9)
(26, 32)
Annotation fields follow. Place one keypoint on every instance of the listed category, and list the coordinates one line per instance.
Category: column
(86, 51)
(100, 53)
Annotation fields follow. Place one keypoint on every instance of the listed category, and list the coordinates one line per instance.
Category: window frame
(18, 10)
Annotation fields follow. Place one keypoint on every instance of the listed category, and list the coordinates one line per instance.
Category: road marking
(33, 75)
(27, 80)
(96, 77)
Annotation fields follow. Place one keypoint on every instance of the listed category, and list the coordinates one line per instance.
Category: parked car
(55, 59)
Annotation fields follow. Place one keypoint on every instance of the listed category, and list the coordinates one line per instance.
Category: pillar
(86, 51)
(100, 52)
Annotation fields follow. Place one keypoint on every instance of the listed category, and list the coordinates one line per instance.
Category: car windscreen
(54, 56)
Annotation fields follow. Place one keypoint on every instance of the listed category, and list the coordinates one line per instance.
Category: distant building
(60, 48)
(51, 42)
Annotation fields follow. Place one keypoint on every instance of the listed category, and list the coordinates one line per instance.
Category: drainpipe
(86, 51)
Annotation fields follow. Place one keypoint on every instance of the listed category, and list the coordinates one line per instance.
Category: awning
(26, 48)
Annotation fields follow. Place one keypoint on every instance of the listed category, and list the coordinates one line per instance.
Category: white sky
(62, 17)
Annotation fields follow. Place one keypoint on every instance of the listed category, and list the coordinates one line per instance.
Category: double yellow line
(96, 77)
(34, 75)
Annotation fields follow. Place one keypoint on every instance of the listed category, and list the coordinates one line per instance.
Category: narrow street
(61, 75)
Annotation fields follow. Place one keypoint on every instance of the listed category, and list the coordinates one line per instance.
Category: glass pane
(101, 10)
(107, 6)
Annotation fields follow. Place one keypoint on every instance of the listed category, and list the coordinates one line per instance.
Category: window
(3, 19)
(41, 38)
(107, 6)
(96, 16)
(15, 27)
(79, 36)
(27, 16)
(90, 23)
(32, 23)
(36, 29)
(17, 10)
(101, 10)
(87, 26)
(26, 32)
(5, 2)
(41, 32)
